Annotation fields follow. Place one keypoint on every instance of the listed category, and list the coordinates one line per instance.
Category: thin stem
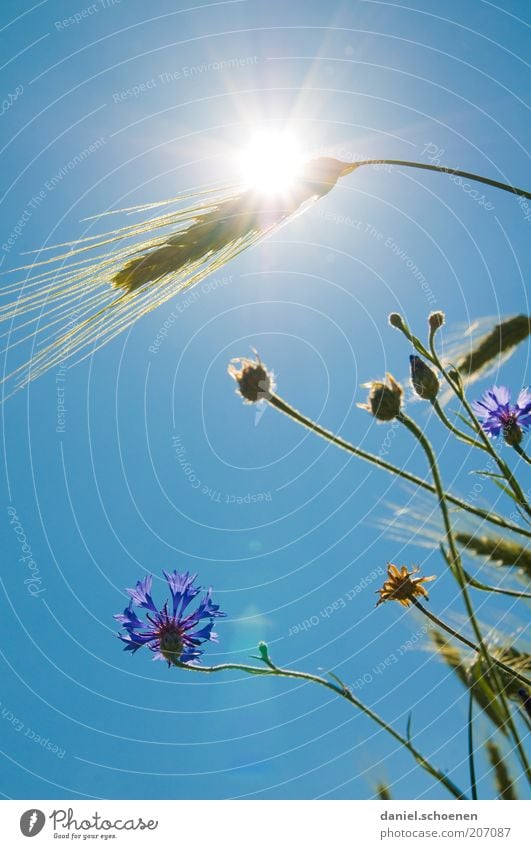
(487, 442)
(467, 175)
(285, 408)
(343, 691)
(472, 767)
(473, 582)
(478, 585)
(301, 419)
(467, 642)
(489, 661)
(446, 421)
(520, 451)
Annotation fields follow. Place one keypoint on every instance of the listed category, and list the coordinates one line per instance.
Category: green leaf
(506, 490)
(417, 344)
(338, 681)
(466, 421)
(497, 479)
(264, 653)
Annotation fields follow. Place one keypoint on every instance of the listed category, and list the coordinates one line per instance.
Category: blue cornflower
(498, 415)
(172, 636)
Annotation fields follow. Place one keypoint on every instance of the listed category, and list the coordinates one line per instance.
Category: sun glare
(271, 161)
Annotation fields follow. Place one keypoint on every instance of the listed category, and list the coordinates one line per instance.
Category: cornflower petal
(129, 619)
(182, 589)
(141, 594)
(501, 395)
(169, 635)
(499, 416)
(134, 641)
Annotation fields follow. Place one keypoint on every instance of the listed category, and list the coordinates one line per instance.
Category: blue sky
(281, 525)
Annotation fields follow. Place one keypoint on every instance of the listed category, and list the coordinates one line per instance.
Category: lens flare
(271, 161)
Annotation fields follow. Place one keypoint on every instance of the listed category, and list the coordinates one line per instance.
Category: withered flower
(255, 382)
(401, 586)
(385, 398)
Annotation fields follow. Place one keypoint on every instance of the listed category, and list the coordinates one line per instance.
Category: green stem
(489, 661)
(473, 785)
(285, 408)
(520, 451)
(478, 585)
(446, 421)
(340, 690)
(467, 642)
(473, 582)
(467, 175)
(301, 419)
(487, 442)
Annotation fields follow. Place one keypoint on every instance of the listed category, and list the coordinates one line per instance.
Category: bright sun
(271, 161)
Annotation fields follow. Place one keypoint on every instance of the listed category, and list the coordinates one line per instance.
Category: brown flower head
(436, 320)
(385, 398)
(255, 382)
(401, 586)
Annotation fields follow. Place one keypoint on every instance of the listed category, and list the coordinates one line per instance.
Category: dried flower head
(423, 379)
(255, 382)
(436, 320)
(385, 398)
(499, 416)
(172, 634)
(401, 586)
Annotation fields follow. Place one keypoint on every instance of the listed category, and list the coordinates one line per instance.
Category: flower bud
(396, 320)
(423, 379)
(255, 383)
(436, 320)
(385, 399)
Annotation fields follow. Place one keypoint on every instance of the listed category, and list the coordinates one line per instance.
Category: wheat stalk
(500, 551)
(81, 302)
(504, 782)
(487, 351)
(77, 301)
(471, 673)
